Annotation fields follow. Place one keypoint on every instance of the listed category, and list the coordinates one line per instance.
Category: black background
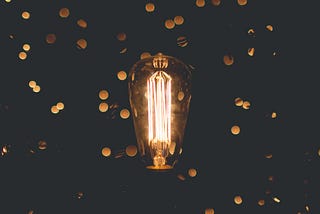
(49, 180)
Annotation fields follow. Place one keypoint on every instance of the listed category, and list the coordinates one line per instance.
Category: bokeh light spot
(82, 44)
(246, 105)
(42, 145)
(216, 2)
(182, 41)
(103, 94)
(169, 24)
(26, 47)
(36, 89)
(106, 151)
(122, 75)
(32, 83)
(60, 105)
(209, 211)
(251, 51)
(64, 12)
(238, 101)
(228, 59)
(82, 23)
(22, 55)
(25, 15)
(121, 36)
(131, 150)
(192, 172)
(269, 27)
(124, 113)
(242, 2)
(150, 7)
(178, 20)
(51, 38)
(200, 3)
(54, 109)
(237, 200)
(103, 107)
(235, 130)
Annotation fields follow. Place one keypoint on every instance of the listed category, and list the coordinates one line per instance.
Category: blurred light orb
(103, 94)
(237, 199)
(150, 7)
(131, 150)
(106, 151)
(25, 15)
(124, 113)
(235, 130)
(64, 12)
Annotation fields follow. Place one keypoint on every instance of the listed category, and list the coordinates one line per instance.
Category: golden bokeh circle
(192, 172)
(54, 109)
(82, 23)
(103, 94)
(26, 47)
(209, 211)
(228, 59)
(32, 83)
(238, 101)
(82, 43)
(178, 20)
(64, 12)
(235, 130)
(237, 199)
(60, 105)
(103, 107)
(25, 15)
(36, 89)
(121, 36)
(106, 151)
(51, 38)
(150, 7)
(169, 24)
(131, 150)
(246, 105)
(200, 3)
(122, 75)
(124, 113)
(22, 55)
(242, 2)
(216, 2)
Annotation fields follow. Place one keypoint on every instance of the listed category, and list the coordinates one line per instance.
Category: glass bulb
(159, 94)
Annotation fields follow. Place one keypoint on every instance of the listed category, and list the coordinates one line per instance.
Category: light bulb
(159, 94)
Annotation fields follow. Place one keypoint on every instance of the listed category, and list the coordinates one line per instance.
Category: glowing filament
(159, 115)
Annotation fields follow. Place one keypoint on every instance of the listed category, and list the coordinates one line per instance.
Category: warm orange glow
(103, 107)
(200, 3)
(261, 202)
(82, 23)
(269, 27)
(178, 20)
(131, 150)
(106, 151)
(64, 12)
(251, 32)
(54, 109)
(22, 55)
(121, 36)
(273, 115)
(159, 114)
(242, 2)
(180, 95)
(228, 59)
(60, 106)
(246, 105)
(32, 83)
(238, 101)
(82, 43)
(169, 24)
(124, 113)
(26, 47)
(235, 130)
(209, 211)
(237, 199)
(216, 2)
(36, 89)
(149, 7)
(7, 1)
(25, 15)
(192, 172)
(122, 75)
(51, 38)
(251, 51)
(103, 94)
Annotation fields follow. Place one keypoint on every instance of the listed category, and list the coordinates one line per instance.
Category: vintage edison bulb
(159, 94)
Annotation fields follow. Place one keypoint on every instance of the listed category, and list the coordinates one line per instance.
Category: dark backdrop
(72, 176)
